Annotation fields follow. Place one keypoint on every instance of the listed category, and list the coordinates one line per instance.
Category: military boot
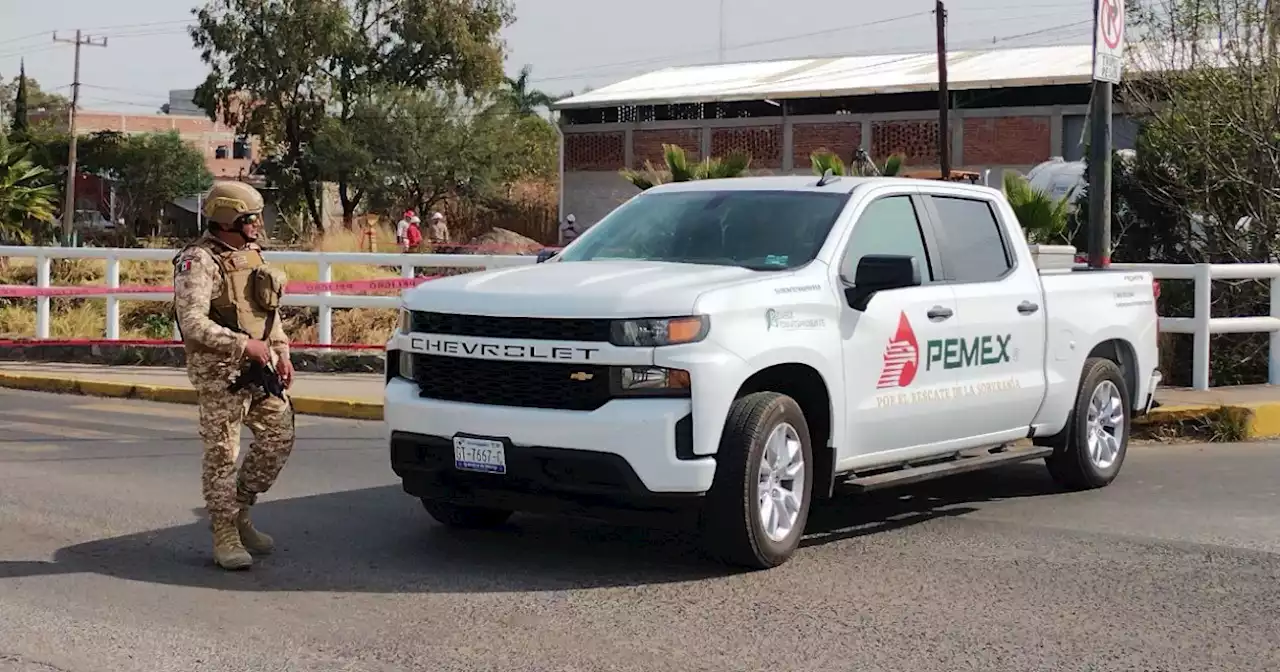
(228, 551)
(255, 541)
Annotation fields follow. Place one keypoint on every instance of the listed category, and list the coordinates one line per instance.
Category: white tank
(1059, 177)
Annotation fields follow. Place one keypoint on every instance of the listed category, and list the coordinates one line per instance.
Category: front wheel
(1093, 445)
(466, 517)
(758, 505)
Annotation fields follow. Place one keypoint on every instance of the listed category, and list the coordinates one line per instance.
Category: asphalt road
(105, 566)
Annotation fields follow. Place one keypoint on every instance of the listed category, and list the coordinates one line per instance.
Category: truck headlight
(405, 367)
(406, 321)
(651, 381)
(658, 332)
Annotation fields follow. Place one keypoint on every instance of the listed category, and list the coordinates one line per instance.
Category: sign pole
(1108, 45)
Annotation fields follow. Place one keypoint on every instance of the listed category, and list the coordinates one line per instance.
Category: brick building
(225, 153)
(1009, 109)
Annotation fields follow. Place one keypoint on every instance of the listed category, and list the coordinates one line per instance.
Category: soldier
(226, 300)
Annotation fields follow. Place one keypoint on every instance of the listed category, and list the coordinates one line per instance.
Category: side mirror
(545, 255)
(880, 272)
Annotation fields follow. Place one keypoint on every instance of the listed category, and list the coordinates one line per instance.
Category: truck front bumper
(631, 453)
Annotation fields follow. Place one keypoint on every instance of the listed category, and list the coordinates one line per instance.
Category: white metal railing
(1201, 325)
(325, 302)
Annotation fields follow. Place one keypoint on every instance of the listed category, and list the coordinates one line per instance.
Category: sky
(570, 44)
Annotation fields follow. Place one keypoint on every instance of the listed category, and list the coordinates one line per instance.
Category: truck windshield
(760, 230)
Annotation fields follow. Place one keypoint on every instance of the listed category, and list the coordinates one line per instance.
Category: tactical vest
(251, 290)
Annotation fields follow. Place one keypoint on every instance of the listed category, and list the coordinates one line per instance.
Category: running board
(960, 464)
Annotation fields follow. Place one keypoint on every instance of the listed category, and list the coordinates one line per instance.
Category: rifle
(262, 376)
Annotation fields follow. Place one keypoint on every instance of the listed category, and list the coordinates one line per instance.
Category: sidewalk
(343, 395)
(1242, 412)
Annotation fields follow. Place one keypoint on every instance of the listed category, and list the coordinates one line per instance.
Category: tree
(291, 73)
(429, 146)
(680, 169)
(825, 159)
(152, 170)
(27, 195)
(525, 99)
(1203, 182)
(20, 124)
(1043, 217)
(36, 99)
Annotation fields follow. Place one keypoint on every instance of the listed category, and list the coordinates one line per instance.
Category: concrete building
(1008, 108)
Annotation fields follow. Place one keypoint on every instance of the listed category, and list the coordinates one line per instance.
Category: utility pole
(721, 22)
(69, 211)
(944, 97)
(1108, 18)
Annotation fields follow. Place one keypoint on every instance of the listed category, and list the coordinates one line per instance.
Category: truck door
(998, 354)
(894, 401)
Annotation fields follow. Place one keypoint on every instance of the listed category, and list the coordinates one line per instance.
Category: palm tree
(26, 195)
(679, 169)
(524, 99)
(1043, 218)
(825, 159)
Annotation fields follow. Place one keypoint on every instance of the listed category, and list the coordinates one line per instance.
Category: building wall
(994, 139)
(204, 135)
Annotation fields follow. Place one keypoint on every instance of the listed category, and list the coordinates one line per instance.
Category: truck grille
(526, 328)
(524, 384)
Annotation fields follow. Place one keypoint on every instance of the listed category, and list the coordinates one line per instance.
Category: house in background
(1008, 109)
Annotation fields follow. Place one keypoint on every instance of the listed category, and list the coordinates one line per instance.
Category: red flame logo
(901, 357)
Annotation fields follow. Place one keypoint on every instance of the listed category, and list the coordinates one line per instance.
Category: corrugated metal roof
(846, 76)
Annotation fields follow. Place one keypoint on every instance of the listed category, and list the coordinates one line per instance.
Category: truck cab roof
(840, 184)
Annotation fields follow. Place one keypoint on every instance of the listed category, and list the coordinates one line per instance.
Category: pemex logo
(901, 357)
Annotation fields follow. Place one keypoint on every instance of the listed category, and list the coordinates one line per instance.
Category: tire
(465, 517)
(1072, 464)
(731, 527)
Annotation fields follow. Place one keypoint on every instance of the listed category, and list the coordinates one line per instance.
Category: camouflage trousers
(222, 414)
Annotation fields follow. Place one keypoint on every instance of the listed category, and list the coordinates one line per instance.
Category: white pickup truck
(737, 349)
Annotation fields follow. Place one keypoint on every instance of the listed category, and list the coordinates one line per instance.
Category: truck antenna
(828, 176)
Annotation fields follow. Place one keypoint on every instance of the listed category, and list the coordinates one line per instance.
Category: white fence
(325, 302)
(1200, 325)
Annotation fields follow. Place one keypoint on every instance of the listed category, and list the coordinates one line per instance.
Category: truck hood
(603, 289)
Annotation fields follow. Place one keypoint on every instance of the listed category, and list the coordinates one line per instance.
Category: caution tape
(379, 284)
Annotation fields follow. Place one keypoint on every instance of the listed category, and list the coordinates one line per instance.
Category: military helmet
(230, 200)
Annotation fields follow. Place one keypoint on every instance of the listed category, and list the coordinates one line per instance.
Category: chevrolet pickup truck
(738, 349)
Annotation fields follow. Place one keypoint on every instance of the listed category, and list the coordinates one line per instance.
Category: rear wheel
(467, 517)
(1089, 452)
(758, 505)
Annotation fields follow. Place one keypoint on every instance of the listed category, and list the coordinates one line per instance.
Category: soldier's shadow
(380, 540)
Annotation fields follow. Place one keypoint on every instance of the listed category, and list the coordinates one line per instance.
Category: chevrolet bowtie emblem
(581, 375)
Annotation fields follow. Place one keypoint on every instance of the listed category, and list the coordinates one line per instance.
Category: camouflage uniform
(214, 309)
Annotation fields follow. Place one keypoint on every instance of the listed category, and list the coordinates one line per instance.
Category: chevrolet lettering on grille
(446, 346)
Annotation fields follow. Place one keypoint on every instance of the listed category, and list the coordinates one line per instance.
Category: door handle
(1027, 307)
(938, 313)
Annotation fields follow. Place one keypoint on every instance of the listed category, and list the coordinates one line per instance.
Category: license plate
(485, 455)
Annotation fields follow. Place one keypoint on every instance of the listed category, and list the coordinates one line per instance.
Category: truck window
(976, 249)
(761, 230)
(888, 225)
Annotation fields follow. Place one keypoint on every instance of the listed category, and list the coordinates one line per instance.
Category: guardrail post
(407, 270)
(324, 325)
(1273, 359)
(1203, 316)
(113, 303)
(42, 302)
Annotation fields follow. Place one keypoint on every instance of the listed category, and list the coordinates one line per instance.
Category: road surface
(105, 566)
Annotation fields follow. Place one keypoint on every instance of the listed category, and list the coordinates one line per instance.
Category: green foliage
(312, 68)
(153, 169)
(680, 169)
(27, 196)
(36, 100)
(525, 99)
(1043, 217)
(824, 160)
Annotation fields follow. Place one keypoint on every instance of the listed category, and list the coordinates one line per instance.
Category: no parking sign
(1108, 41)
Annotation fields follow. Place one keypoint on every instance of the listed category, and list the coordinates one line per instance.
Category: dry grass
(86, 318)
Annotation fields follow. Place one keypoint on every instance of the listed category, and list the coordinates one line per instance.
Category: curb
(1224, 422)
(319, 406)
